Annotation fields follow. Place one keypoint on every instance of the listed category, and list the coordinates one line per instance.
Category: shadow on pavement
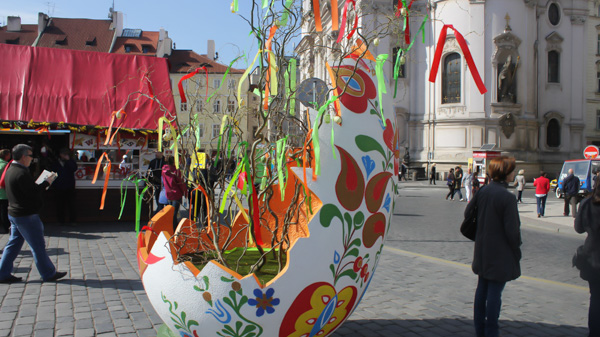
(121, 284)
(442, 327)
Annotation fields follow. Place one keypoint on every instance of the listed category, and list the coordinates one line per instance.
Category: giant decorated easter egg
(333, 244)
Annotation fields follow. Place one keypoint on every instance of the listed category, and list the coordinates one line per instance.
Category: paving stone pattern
(410, 295)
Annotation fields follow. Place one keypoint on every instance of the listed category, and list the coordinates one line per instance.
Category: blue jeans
(31, 229)
(541, 204)
(488, 301)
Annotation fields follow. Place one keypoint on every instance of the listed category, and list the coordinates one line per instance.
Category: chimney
(210, 49)
(117, 22)
(14, 24)
(42, 22)
(161, 34)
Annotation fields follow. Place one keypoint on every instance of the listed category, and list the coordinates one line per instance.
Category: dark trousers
(541, 204)
(488, 301)
(451, 193)
(65, 204)
(432, 179)
(519, 195)
(594, 312)
(4, 215)
(571, 200)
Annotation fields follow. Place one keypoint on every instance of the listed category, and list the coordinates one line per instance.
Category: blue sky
(189, 23)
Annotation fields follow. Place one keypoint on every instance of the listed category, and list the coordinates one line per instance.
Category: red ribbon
(344, 16)
(407, 30)
(180, 84)
(43, 129)
(255, 214)
(467, 53)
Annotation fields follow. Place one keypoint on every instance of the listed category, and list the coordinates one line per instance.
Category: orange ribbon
(106, 176)
(317, 9)
(115, 115)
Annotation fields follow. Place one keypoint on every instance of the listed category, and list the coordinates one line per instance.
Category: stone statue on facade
(507, 92)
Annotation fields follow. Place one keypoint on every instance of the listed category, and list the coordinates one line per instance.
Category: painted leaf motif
(328, 212)
(376, 188)
(350, 185)
(374, 229)
(366, 144)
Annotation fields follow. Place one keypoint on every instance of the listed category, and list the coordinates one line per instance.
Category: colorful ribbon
(139, 197)
(317, 13)
(315, 137)
(467, 53)
(223, 78)
(161, 122)
(180, 84)
(344, 17)
(290, 85)
(280, 156)
(106, 176)
(286, 13)
(381, 81)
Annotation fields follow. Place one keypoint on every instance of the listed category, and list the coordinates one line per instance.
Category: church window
(553, 66)
(554, 14)
(451, 76)
(553, 133)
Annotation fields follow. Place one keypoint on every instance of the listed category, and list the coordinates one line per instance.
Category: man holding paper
(24, 204)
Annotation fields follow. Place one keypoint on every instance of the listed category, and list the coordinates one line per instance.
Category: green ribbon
(406, 17)
(235, 176)
(280, 158)
(291, 85)
(235, 6)
(284, 18)
(223, 78)
(381, 81)
(397, 66)
(315, 135)
(138, 198)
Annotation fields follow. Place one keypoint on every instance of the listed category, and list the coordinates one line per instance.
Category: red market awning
(82, 88)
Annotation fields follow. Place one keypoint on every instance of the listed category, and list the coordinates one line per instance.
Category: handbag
(468, 228)
(162, 197)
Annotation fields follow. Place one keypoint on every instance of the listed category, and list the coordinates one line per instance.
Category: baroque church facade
(530, 54)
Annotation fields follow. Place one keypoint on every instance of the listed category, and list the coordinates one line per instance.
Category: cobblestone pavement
(412, 293)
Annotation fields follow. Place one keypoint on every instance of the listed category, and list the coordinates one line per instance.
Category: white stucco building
(535, 105)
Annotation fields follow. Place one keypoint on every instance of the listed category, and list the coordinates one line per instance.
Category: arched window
(451, 79)
(553, 133)
(553, 66)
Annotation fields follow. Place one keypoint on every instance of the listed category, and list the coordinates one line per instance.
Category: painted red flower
(359, 88)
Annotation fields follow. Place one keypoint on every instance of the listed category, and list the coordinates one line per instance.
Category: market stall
(102, 107)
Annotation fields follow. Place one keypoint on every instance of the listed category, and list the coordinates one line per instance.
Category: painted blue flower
(369, 164)
(386, 203)
(264, 302)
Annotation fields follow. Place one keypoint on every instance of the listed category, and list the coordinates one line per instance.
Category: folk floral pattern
(318, 310)
(242, 326)
(356, 88)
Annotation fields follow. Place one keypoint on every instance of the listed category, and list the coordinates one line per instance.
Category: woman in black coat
(497, 244)
(588, 220)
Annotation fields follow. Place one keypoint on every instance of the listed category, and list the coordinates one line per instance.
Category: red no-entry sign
(591, 152)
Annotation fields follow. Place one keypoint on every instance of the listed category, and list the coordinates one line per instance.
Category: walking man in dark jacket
(571, 188)
(24, 204)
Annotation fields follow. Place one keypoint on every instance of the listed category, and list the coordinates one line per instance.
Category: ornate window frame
(553, 115)
(554, 43)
